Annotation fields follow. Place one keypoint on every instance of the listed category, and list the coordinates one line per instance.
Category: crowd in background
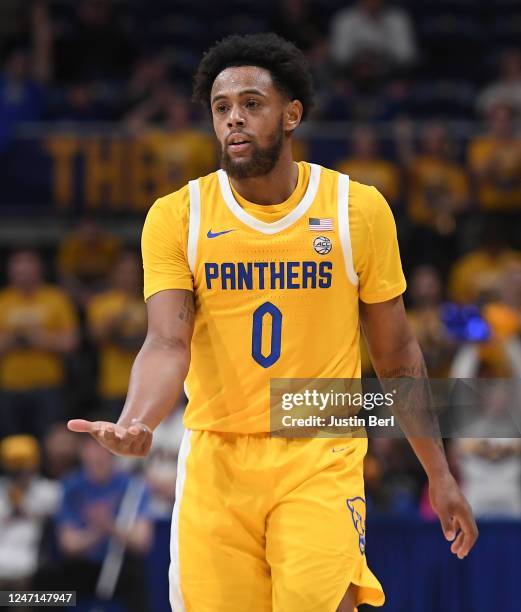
(72, 321)
(372, 60)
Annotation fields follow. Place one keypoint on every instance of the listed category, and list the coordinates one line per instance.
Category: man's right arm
(162, 363)
(156, 379)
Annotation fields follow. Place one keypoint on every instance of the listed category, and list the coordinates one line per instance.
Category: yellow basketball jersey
(273, 299)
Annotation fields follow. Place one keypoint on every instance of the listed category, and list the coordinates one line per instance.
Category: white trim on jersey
(343, 227)
(277, 226)
(194, 223)
(174, 576)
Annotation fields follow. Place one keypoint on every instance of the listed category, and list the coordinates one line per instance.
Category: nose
(235, 118)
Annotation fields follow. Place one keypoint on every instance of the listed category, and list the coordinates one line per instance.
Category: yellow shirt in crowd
(116, 358)
(478, 274)
(180, 155)
(433, 181)
(87, 261)
(48, 309)
(502, 189)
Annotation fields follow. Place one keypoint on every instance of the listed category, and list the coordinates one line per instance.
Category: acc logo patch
(356, 506)
(322, 245)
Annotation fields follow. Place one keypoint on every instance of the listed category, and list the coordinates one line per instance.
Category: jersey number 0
(266, 310)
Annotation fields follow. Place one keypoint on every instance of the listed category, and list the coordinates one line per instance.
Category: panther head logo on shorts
(356, 506)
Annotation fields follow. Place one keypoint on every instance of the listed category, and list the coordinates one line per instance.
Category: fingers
(141, 436)
(457, 546)
(81, 426)
(468, 532)
(134, 440)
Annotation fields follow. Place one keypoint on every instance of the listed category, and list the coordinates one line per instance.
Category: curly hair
(287, 65)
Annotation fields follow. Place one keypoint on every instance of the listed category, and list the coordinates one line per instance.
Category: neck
(272, 188)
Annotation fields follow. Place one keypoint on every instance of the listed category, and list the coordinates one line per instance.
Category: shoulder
(177, 203)
(363, 199)
(6, 295)
(366, 201)
(53, 294)
(173, 204)
(175, 207)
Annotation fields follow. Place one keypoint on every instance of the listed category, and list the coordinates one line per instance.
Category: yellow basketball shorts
(266, 524)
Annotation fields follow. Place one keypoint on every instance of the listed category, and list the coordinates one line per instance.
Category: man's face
(24, 270)
(248, 118)
(96, 460)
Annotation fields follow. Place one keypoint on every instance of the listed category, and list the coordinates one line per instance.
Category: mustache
(246, 135)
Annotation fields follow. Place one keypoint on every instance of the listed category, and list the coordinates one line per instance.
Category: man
(38, 330)
(27, 501)
(94, 497)
(240, 289)
(117, 324)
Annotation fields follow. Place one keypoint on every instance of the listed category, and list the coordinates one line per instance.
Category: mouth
(238, 143)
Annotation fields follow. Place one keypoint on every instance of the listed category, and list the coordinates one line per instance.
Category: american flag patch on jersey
(320, 225)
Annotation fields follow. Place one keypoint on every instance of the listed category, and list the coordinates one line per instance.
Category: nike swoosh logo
(210, 234)
(339, 450)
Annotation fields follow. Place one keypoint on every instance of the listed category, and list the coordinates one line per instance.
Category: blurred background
(420, 98)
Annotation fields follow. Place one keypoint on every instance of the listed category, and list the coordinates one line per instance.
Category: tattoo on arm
(187, 311)
(418, 370)
(415, 407)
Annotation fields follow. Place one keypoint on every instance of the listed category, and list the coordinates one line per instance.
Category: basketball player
(241, 288)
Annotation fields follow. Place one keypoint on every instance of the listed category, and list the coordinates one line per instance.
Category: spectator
(117, 322)
(495, 162)
(26, 502)
(373, 27)
(150, 72)
(476, 276)
(424, 313)
(366, 165)
(364, 96)
(507, 90)
(490, 466)
(38, 327)
(503, 316)
(87, 522)
(21, 96)
(60, 452)
(179, 150)
(86, 256)
(438, 188)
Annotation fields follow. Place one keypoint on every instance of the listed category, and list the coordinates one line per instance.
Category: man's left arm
(395, 353)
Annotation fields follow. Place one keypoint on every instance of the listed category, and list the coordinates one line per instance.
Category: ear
(293, 115)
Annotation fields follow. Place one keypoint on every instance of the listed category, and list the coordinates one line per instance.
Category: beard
(262, 160)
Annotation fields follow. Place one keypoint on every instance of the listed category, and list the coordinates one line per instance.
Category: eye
(220, 108)
(252, 104)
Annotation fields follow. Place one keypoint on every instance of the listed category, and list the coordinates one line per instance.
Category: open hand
(132, 441)
(455, 514)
